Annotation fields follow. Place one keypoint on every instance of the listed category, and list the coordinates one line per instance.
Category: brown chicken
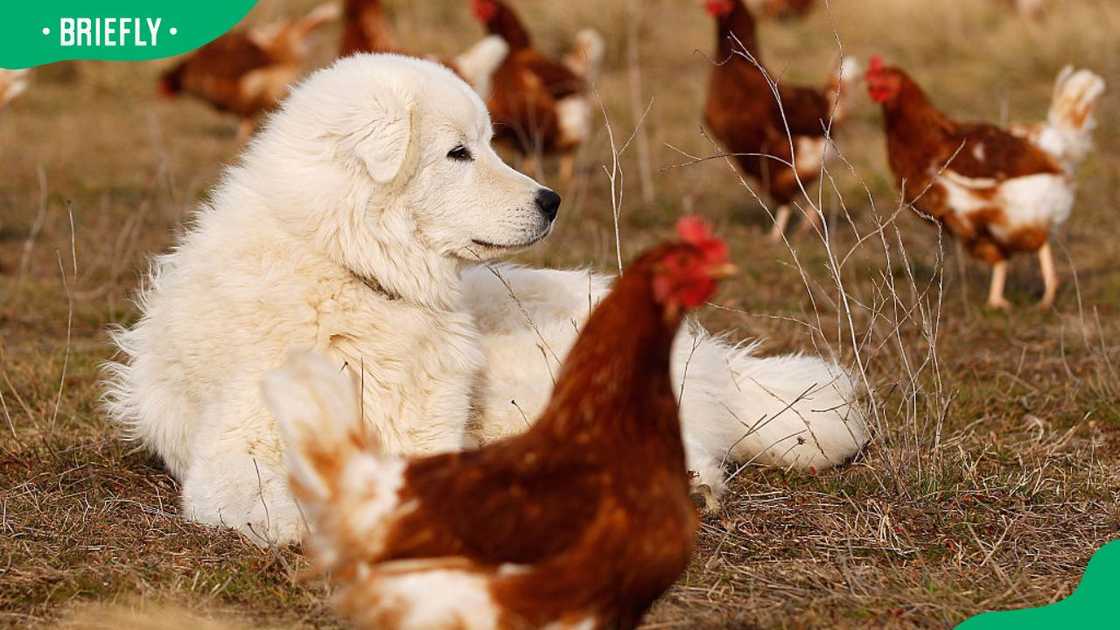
(581, 522)
(365, 29)
(780, 140)
(997, 192)
(540, 106)
(247, 72)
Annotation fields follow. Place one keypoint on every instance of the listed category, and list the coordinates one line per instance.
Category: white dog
(355, 225)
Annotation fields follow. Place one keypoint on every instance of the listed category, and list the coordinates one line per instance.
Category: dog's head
(393, 154)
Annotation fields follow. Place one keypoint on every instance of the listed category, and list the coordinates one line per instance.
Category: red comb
(875, 64)
(696, 232)
(484, 10)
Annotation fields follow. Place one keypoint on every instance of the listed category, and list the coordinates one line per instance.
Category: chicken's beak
(726, 270)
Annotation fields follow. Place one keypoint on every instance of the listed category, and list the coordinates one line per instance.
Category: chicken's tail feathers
(587, 53)
(478, 63)
(292, 35)
(319, 16)
(1067, 134)
(344, 487)
(841, 87)
(315, 403)
(1076, 95)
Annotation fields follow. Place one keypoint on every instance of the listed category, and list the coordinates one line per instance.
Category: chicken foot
(781, 221)
(1049, 276)
(530, 166)
(245, 130)
(999, 281)
(567, 167)
(810, 222)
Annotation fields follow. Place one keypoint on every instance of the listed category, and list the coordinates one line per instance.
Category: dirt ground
(993, 473)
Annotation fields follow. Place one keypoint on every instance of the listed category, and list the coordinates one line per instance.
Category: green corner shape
(1093, 605)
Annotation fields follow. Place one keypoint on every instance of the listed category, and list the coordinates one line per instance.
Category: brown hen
(247, 72)
(582, 521)
(540, 106)
(778, 136)
(998, 192)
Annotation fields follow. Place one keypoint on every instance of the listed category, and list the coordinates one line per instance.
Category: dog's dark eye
(460, 153)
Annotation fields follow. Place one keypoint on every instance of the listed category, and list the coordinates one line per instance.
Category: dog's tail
(790, 411)
(345, 487)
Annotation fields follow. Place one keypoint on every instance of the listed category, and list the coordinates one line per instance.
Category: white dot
(174, 31)
(46, 30)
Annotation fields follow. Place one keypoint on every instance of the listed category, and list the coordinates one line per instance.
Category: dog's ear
(387, 144)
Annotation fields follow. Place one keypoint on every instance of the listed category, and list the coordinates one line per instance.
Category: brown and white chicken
(366, 29)
(247, 72)
(541, 106)
(580, 522)
(997, 191)
(779, 135)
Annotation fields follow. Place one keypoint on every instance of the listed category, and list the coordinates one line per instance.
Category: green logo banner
(36, 33)
(1093, 605)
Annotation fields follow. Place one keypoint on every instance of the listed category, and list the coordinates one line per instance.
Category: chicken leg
(810, 222)
(567, 167)
(245, 130)
(781, 220)
(1049, 276)
(995, 293)
(530, 166)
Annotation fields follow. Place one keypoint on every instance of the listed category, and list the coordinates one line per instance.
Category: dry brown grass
(992, 476)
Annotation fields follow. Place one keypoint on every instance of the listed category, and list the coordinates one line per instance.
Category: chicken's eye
(460, 154)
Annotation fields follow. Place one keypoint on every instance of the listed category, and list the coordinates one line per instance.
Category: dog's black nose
(549, 203)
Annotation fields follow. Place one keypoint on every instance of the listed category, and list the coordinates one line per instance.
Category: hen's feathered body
(247, 72)
(582, 521)
(365, 29)
(997, 192)
(540, 106)
(778, 134)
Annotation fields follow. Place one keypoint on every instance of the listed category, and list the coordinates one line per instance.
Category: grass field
(993, 474)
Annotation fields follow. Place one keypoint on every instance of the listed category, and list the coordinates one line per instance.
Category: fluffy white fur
(348, 229)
